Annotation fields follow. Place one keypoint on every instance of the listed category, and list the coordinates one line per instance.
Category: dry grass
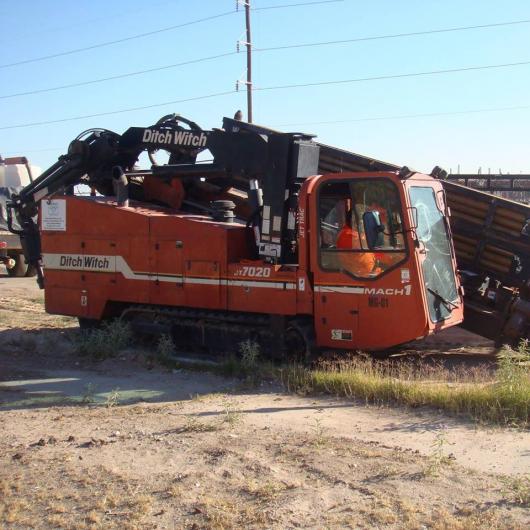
(193, 424)
(265, 480)
(517, 490)
(501, 396)
(81, 501)
(224, 514)
(474, 519)
(482, 393)
(265, 491)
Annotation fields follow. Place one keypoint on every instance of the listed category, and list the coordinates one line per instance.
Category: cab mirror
(373, 228)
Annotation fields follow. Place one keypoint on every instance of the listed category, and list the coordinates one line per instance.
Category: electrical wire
(393, 76)
(300, 4)
(393, 36)
(156, 31)
(271, 48)
(131, 109)
(282, 87)
(85, 22)
(117, 41)
(407, 116)
(355, 120)
(119, 76)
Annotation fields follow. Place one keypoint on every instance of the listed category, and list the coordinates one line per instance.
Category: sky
(462, 120)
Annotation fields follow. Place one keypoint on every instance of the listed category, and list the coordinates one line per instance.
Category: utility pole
(248, 44)
(249, 62)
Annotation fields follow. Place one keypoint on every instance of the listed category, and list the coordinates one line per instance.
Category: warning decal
(53, 215)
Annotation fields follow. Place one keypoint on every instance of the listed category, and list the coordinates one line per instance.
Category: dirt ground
(124, 444)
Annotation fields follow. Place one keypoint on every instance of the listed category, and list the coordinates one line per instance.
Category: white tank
(15, 175)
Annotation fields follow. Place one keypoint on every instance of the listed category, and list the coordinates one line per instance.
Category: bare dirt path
(121, 444)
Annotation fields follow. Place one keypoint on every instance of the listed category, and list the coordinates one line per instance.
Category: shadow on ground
(46, 388)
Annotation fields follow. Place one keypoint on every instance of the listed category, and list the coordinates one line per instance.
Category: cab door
(336, 295)
(359, 258)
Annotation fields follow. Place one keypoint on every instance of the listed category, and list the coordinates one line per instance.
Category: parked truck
(15, 174)
(245, 245)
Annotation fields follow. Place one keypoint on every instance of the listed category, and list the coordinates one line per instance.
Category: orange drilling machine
(275, 237)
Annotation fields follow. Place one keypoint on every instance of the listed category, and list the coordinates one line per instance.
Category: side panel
(259, 287)
(99, 257)
(202, 284)
(166, 249)
(166, 285)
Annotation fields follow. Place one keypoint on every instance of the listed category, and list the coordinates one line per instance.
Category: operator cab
(384, 267)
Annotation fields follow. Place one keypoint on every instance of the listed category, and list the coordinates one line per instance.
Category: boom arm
(243, 157)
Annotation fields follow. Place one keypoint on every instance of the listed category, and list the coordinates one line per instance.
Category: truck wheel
(300, 342)
(20, 269)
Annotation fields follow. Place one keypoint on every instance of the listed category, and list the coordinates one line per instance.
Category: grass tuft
(104, 342)
(165, 348)
(517, 490)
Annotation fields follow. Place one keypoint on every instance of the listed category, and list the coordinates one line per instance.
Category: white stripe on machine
(113, 264)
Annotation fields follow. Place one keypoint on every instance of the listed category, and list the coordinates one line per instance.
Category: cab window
(361, 227)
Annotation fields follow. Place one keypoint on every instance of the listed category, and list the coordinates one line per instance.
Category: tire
(300, 342)
(20, 269)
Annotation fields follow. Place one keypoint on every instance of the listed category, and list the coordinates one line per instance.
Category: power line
(394, 76)
(300, 4)
(408, 116)
(394, 35)
(84, 22)
(119, 76)
(271, 48)
(156, 31)
(117, 41)
(282, 87)
(131, 109)
(353, 120)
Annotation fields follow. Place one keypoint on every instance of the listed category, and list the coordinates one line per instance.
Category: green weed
(104, 342)
(231, 414)
(165, 348)
(437, 458)
(113, 398)
(319, 432)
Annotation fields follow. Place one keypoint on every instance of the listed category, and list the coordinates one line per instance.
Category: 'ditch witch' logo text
(84, 262)
(184, 138)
